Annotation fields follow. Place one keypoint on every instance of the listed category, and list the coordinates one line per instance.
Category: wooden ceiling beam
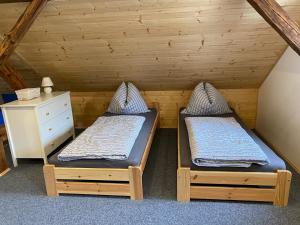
(23, 24)
(12, 76)
(11, 40)
(279, 19)
(13, 1)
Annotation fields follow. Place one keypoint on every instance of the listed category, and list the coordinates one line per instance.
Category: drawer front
(58, 140)
(51, 127)
(54, 108)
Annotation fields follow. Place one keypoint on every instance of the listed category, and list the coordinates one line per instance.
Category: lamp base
(48, 90)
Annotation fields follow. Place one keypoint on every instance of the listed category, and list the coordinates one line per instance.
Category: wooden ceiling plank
(279, 19)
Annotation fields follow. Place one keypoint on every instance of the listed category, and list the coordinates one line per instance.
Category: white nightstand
(37, 127)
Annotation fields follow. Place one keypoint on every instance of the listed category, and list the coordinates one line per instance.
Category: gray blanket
(222, 142)
(108, 138)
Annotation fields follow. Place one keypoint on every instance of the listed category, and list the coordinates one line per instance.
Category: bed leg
(50, 180)
(282, 189)
(136, 183)
(183, 184)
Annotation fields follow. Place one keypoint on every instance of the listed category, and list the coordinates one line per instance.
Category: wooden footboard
(100, 181)
(241, 186)
(94, 181)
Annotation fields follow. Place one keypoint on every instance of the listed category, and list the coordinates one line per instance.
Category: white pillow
(127, 100)
(206, 100)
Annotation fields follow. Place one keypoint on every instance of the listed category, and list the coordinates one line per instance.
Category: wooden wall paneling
(87, 106)
(164, 45)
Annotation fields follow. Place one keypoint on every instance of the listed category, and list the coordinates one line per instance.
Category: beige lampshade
(47, 82)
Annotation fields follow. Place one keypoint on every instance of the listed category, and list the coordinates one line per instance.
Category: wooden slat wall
(92, 45)
(87, 106)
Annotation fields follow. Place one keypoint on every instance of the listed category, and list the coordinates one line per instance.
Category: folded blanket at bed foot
(108, 138)
(222, 142)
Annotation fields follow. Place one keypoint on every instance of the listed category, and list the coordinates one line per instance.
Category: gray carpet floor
(23, 199)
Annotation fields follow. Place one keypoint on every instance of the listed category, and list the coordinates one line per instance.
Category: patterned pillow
(135, 102)
(206, 100)
(118, 100)
(132, 103)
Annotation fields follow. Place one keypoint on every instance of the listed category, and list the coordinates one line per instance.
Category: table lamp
(47, 85)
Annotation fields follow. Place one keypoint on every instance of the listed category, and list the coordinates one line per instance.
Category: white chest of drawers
(37, 127)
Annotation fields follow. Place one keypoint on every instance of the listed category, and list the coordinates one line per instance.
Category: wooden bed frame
(242, 186)
(100, 181)
(4, 169)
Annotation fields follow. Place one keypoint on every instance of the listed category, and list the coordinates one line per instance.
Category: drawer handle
(68, 118)
(47, 114)
(50, 129)
(66, 104)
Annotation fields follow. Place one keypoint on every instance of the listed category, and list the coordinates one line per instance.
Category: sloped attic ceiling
(91, 45)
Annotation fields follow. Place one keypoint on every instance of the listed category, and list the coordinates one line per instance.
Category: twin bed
(102, 176)
(218, 157)
(266, 183)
